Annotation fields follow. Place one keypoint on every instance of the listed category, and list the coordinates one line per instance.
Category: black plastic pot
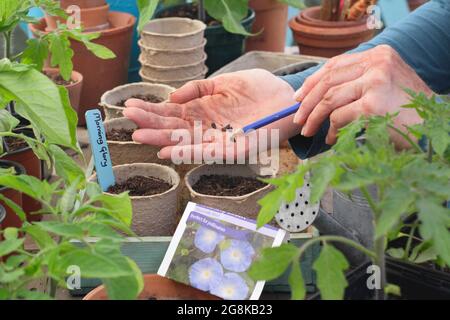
(416, 282)
(222, 47)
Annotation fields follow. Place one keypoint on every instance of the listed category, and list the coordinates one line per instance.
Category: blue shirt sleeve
(423, 41)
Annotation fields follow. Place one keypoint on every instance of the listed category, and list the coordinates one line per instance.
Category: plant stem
(201, 11)
(381, 263)
(7, 35)
(407, 138)
(409, 242)
(430, 151)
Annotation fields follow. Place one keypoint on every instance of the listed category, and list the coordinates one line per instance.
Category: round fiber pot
(152, 215)
(245, 205)
(11, 219)
(173, 33)
(174, 83)
(83, 4)
(271, 18)
(174, 72)
(169, 58)
(111, 98)
(25, 156)
(74, 89)
(101, 75)
(316, 37)
(91, 18)
(221, 47)
(123, 152)
(159, 288)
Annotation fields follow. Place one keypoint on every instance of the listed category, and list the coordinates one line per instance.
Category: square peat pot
(148, 253)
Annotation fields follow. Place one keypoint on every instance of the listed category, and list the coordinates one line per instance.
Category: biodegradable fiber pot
(123, 152)
(270, 19)
(245, 205)
(92, 18)
(160, 288)
(101, 75)
(111, 98)
(11, 219)
(74, 89)
(33, 167)
(173, 33)
(152, 215)
(169, 58)
(173, 73)
(316, 37)
(174, 83)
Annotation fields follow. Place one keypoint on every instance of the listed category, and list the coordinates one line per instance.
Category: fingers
(341, 61)
(162, 137)
(145, 119)
(164, 109)
(330, 79)
(333, 99)
(192, 90)
(340, 117)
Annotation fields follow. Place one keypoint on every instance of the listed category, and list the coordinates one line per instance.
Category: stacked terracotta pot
(173, 51)
(93, 14)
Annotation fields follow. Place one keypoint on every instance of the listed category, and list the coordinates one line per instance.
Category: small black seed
(287, 206)
(292, 214)
(301, 212)
(301, 195)
(296, 204)
(298, 227)
(281, 220)
(306, 222)
(288, 226)
(314, 212)
(306, 202)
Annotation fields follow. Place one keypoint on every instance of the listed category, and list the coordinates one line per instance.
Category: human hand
(361, 84)
(234, 99)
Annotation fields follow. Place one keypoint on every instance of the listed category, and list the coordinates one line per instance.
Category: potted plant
(329, 30)
(108, 72)
(153, 191)
(407, 183)
(75, 209)
(113, 101)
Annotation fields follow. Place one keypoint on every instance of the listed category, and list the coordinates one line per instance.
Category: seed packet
(212, 250)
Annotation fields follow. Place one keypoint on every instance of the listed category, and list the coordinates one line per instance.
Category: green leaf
(296, 282)
(36, 52)
(32, 295)
(392, 289)
(147, 9)
(7, 121)
(64, 229)
(66, 167)
(29, 185)
(269, 206)
(322, 175)
(98, 50)
(67, 201)
(273, 262)
(40, 236)
(9, 246)
(426, 255)
(10, 277)
(125, 288)
(39, 100)
(15, 207)
(61, 54)
(435, 220)
(118, 206)
(230, 13)
(396, 252)
(11, 233)
(330, 267)
(396, 203)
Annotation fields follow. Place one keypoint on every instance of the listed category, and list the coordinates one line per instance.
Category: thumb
(192, 90)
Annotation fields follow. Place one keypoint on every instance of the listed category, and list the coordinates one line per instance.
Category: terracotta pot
(414, 4)
(173, 33)
(271, 20)
(174, 72)
(160, 288)
(83, 4)
(73, 89)
(168, 58)
(152, 215)
(245, 205)
(91, 19)
(101, 75)
(111, 98)
(316, 37)
(33, 167)
(11, 219)
(175, 83)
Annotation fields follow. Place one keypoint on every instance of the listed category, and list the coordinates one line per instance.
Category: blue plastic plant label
(100, 150)
(212, 250)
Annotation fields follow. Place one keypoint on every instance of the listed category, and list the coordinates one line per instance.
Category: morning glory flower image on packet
(212, 250)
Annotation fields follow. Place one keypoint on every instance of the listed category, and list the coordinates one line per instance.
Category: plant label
(100, 150)
(212, 250)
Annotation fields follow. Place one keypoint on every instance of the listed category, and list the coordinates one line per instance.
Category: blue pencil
(268, 120)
